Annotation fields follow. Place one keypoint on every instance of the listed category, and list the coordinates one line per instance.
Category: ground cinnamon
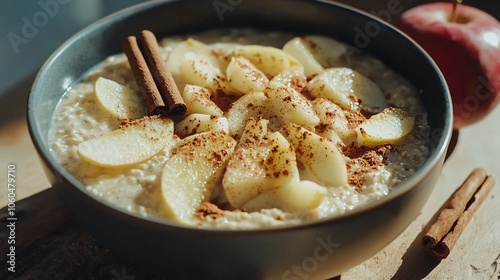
(455, 214)
(208, 209)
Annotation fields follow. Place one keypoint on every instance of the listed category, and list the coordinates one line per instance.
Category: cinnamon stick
(164, 79)
(155, 82)
(446, 228)
(144, 79)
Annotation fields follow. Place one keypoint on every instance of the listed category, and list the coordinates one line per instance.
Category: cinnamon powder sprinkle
(207, 209)
(368, 159)
(354, 118)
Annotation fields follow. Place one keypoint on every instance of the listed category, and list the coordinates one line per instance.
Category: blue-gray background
(18, 68)
(63, 19)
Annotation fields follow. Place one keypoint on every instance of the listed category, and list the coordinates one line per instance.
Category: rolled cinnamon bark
(446, 228)
(164, 79)
(143, 77)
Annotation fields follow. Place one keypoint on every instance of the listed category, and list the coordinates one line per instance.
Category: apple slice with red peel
(192, 172)
(132, 143)
(467, 52)
(387, 127)
(119, 100)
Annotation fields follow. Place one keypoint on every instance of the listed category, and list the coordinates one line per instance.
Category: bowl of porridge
(243, 140)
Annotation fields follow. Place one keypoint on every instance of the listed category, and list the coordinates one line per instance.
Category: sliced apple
(199, 69)
(349, 89)
(198, 100)
(244, 77)
(176, 56)
(259, 166)
(198, 123)
(298, 48)
(387, 127)
(255, 128)
(334, 123)
(119, 100)
(269, 60)
(319, 157)
(292, 77)
(327, 51)
(132, 143)
(291, 106)
(249, 105)
(296, 196)
(192, 172)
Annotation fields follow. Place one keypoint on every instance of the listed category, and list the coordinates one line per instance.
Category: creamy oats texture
(279, 130)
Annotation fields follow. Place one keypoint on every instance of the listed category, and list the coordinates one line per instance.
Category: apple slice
(334, 123)
(176, 56)
(269, 60)
(192, 172)
(198, 100)
(327, 51)
(259, 166)
(119, 100)
(319, 157)
(296, 196)
(292, 77)
(315, 52)
(299, 49)
(291, 106)
(197, 123)
(249, 105)
(255, 128)
(199, 69)
(349, 89)
(387, 127)
(132, 143)
(244, 76)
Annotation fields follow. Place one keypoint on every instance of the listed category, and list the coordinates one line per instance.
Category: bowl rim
(397, 191)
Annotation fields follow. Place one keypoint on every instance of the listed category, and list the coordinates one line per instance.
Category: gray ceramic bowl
(314, 250)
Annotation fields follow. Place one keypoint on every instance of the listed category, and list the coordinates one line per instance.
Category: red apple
(467, 51)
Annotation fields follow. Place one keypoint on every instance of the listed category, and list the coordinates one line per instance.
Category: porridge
(278, 130)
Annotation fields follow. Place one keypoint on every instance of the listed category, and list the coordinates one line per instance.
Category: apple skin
(466, 51)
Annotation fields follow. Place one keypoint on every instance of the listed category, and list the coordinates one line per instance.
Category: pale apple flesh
(189, 177)
(130, 144)
(467, 53)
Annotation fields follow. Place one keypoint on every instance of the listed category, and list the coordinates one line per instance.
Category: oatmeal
(279, 130)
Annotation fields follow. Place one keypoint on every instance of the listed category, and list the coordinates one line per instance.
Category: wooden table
(49, 241)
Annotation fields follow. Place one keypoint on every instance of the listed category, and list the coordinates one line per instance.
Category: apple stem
(454, 16)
